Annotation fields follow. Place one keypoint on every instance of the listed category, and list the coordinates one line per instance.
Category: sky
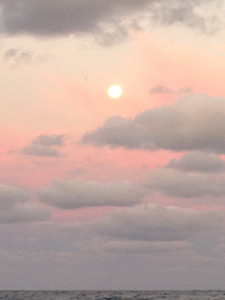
(103, 193)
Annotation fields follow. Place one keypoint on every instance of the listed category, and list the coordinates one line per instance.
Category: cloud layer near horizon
(16, 207)
(157, 223)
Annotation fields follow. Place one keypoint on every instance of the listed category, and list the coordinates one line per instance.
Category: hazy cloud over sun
(195, 122)
(45, 146)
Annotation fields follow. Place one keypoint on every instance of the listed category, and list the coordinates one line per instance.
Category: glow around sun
(115, 91)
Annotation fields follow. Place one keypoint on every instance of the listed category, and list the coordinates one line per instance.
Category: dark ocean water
(113, 295)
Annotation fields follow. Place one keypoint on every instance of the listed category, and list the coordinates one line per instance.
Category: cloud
(172, 241)
(160, 89)
(195, 122)
(148, 222)
(77, 171)
(199, 162)
(185, 90)
(45, 146)
(59, 18)
(76, 16)
(145, 228)
(49, 140)
(10, 195)
(41, 151)
(179, 184)
(14, 206)
(111, 35)
(191, 176)
(78, 193)
(146, 246)
(25, 213)
(17, 56)
(190, 13)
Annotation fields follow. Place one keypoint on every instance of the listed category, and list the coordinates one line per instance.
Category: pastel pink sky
(90, 175)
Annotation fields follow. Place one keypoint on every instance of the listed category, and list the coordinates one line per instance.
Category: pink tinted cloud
(181, 65)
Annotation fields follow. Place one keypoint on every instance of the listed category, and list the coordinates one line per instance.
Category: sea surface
(113, 295)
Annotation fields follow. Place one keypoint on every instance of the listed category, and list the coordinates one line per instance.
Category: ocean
(113, 295)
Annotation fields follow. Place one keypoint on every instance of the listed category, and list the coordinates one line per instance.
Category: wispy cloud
(161, 89)
(45, 146)
(17, 57)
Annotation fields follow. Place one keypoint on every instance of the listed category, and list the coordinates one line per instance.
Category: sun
(115, 91)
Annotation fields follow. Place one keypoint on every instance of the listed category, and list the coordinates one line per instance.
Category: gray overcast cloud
(75, 194)
(56, 17)
(199, 162)
(196, 122)
(180, 184)
(157, 223)
(15, 207)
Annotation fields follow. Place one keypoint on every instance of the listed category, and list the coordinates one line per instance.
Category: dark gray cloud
(179, 184)
(15, 207)
(54, 17)
(199, 162)
(149, 222)
(79, 193)
(195, 122)
(45, 146)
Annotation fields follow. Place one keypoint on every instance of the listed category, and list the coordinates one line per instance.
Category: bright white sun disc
(115, 91)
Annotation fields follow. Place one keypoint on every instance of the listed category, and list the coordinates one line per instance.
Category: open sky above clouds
(98, 193)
